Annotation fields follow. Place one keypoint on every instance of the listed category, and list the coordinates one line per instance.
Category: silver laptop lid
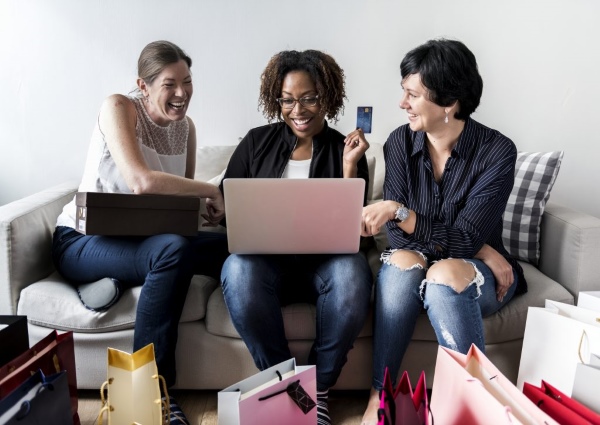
(293, 216)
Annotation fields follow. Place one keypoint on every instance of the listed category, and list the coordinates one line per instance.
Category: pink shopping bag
(469, 389)
(402, 405)
(282, 394)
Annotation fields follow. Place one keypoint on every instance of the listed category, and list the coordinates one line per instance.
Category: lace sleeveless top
(163, 148)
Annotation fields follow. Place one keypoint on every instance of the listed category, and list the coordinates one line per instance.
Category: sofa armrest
(569, 247)
(26, 228)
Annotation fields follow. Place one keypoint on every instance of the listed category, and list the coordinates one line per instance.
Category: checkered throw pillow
(535, 174)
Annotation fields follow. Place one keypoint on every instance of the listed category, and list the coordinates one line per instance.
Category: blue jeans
(256, 286)
(162, 264)
(457, 318)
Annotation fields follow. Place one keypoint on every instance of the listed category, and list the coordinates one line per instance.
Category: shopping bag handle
(583, 334)
(298, 395)
(166, 403)
(277, 392)
(103, 399)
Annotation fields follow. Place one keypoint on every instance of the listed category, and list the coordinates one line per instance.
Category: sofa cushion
(371, 162)
(535, 174)
(506, 325)
(376, 171)
(299, 320)
(53, 303)
(212, 160)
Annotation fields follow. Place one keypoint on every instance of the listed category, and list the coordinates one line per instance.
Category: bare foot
(370, 416)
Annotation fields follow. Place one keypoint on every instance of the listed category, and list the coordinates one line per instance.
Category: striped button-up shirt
(461, 212)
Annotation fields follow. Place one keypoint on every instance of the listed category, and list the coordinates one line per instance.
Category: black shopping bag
(39, 400)
(14, 337)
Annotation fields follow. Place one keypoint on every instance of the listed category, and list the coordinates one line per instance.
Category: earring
(446, 119)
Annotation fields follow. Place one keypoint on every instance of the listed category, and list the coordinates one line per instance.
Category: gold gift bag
(133, 389)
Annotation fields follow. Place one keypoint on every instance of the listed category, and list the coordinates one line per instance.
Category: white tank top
(164, 149)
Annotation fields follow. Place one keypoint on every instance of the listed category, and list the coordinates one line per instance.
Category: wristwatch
(401, 214)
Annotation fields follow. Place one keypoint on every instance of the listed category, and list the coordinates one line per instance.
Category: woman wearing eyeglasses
(301, 90)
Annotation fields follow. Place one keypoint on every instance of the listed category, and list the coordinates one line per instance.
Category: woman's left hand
(356, 146)
(502, 270)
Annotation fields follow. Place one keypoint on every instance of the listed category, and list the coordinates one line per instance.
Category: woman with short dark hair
(447, 182)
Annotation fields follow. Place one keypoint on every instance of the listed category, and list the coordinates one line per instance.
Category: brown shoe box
(120, 214)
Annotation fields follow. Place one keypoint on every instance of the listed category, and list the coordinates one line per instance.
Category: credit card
(364, 117)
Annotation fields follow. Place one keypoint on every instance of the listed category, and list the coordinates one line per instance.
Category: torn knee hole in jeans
(477, 280)
(387, 255)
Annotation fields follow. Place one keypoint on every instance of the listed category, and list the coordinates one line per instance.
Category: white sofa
(210, 353)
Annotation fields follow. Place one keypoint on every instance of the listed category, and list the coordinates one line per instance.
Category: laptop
(293, 216)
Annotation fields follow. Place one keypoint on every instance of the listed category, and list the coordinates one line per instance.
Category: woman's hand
(376, 215)
(502, 270)
(356, 146)
(215, 209)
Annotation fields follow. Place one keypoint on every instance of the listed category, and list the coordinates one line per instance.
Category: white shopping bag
(557, 338)
(282, 394)
(589, 300)
(586, 388)
(133, 388)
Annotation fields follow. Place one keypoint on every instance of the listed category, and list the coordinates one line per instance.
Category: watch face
(402, 213)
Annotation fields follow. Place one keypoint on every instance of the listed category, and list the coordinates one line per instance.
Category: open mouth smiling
(302, 121)
(176, 105)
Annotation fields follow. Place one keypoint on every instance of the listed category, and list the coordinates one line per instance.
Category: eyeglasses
(290, 102)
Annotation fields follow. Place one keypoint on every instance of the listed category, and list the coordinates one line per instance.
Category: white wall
(540, 63)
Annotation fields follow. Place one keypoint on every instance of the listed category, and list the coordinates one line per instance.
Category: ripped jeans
(457, 318)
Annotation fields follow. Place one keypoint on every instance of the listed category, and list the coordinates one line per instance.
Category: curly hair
(326, 74)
